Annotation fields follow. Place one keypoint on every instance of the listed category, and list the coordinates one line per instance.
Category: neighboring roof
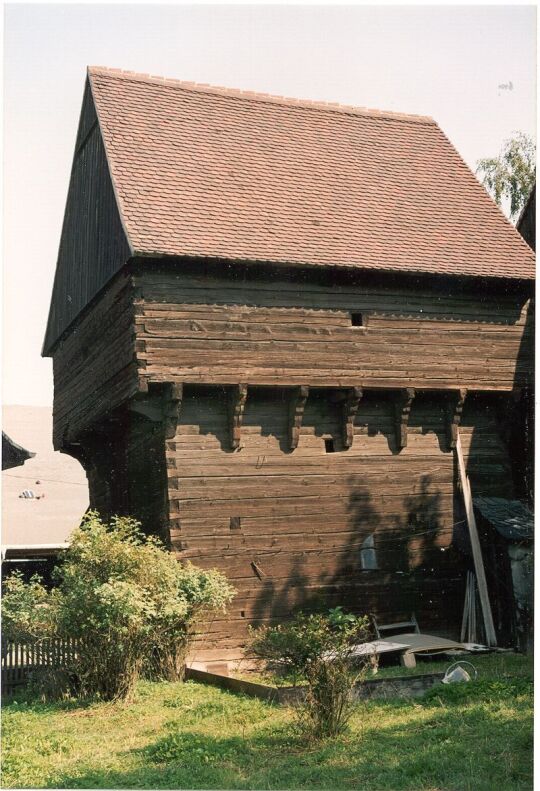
(55, 478)
(526, 225)
(511, 518)
(13, 455)
(212, 172)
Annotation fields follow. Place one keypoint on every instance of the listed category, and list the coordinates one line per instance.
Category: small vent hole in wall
(357, 320)
(329, 445)
(234, 523)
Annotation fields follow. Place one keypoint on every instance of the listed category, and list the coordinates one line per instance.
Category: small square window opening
(357, 319)
(329, 446)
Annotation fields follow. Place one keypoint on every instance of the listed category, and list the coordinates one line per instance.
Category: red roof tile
(205, 171)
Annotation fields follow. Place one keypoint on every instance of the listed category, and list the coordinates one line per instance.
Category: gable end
(93, 245)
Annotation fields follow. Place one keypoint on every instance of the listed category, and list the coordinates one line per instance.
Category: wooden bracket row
(167, 409)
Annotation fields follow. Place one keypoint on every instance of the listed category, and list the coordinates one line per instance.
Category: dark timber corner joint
(454, 412)
(296, 413)
(237, 396)
(350, 408)
(172, 401)
(402, 412)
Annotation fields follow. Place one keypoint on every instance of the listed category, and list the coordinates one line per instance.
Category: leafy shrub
(128, 601)
(320, 649)
(27, 609)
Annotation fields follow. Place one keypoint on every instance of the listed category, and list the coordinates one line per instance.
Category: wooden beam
(454, 410)
(349, 410)
(237, 396)
(160, 403)
(172, 401)
(491, 637)
(402, 409)
(297, 405)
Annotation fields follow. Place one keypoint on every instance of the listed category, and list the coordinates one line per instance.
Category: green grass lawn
(475, 736)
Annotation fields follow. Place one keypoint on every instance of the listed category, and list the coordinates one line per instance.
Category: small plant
(320, 649)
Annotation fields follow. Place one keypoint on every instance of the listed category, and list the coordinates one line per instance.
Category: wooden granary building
(269, 319)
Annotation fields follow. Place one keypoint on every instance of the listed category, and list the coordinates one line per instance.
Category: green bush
(320, 650)
(127, 600)
(27, 609)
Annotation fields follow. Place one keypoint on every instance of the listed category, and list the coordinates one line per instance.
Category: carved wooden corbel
(349, 410)
(296, 413)
(172, 401)
(402, 412)
(454, 412)
(160, 403)
(237, 396)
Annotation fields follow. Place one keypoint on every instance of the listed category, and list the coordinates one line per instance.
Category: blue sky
(472, 68)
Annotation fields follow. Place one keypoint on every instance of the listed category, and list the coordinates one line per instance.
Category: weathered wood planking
(253, 426)
(95, 368)
(93, 245)
(304, 514)
(278, 333)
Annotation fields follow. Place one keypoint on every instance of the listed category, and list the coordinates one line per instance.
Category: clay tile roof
(213, 172)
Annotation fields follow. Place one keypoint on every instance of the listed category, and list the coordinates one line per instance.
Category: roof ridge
(238, 93)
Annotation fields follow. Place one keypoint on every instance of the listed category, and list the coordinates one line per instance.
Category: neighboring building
(269, 319)
(13, 455)
(42, 501)
(510, 561)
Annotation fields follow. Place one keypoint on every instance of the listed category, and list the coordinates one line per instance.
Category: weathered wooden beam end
(172, 402)
(454, 411)
(402, 409)
(349, 410)
(297, 405)
(236, 402)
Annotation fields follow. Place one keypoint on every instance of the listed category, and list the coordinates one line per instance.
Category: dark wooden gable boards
(93, 245)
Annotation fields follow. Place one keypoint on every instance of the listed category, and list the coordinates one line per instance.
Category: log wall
(286, 520)
(94, 367)
(287, 527)
(284, 331)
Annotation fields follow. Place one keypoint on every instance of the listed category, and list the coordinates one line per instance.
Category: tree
(510, 177)
(125, 599)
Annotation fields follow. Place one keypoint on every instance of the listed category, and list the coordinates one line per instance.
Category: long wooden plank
(491, 636)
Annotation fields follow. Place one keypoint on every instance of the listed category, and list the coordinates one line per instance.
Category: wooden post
(491, 637)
